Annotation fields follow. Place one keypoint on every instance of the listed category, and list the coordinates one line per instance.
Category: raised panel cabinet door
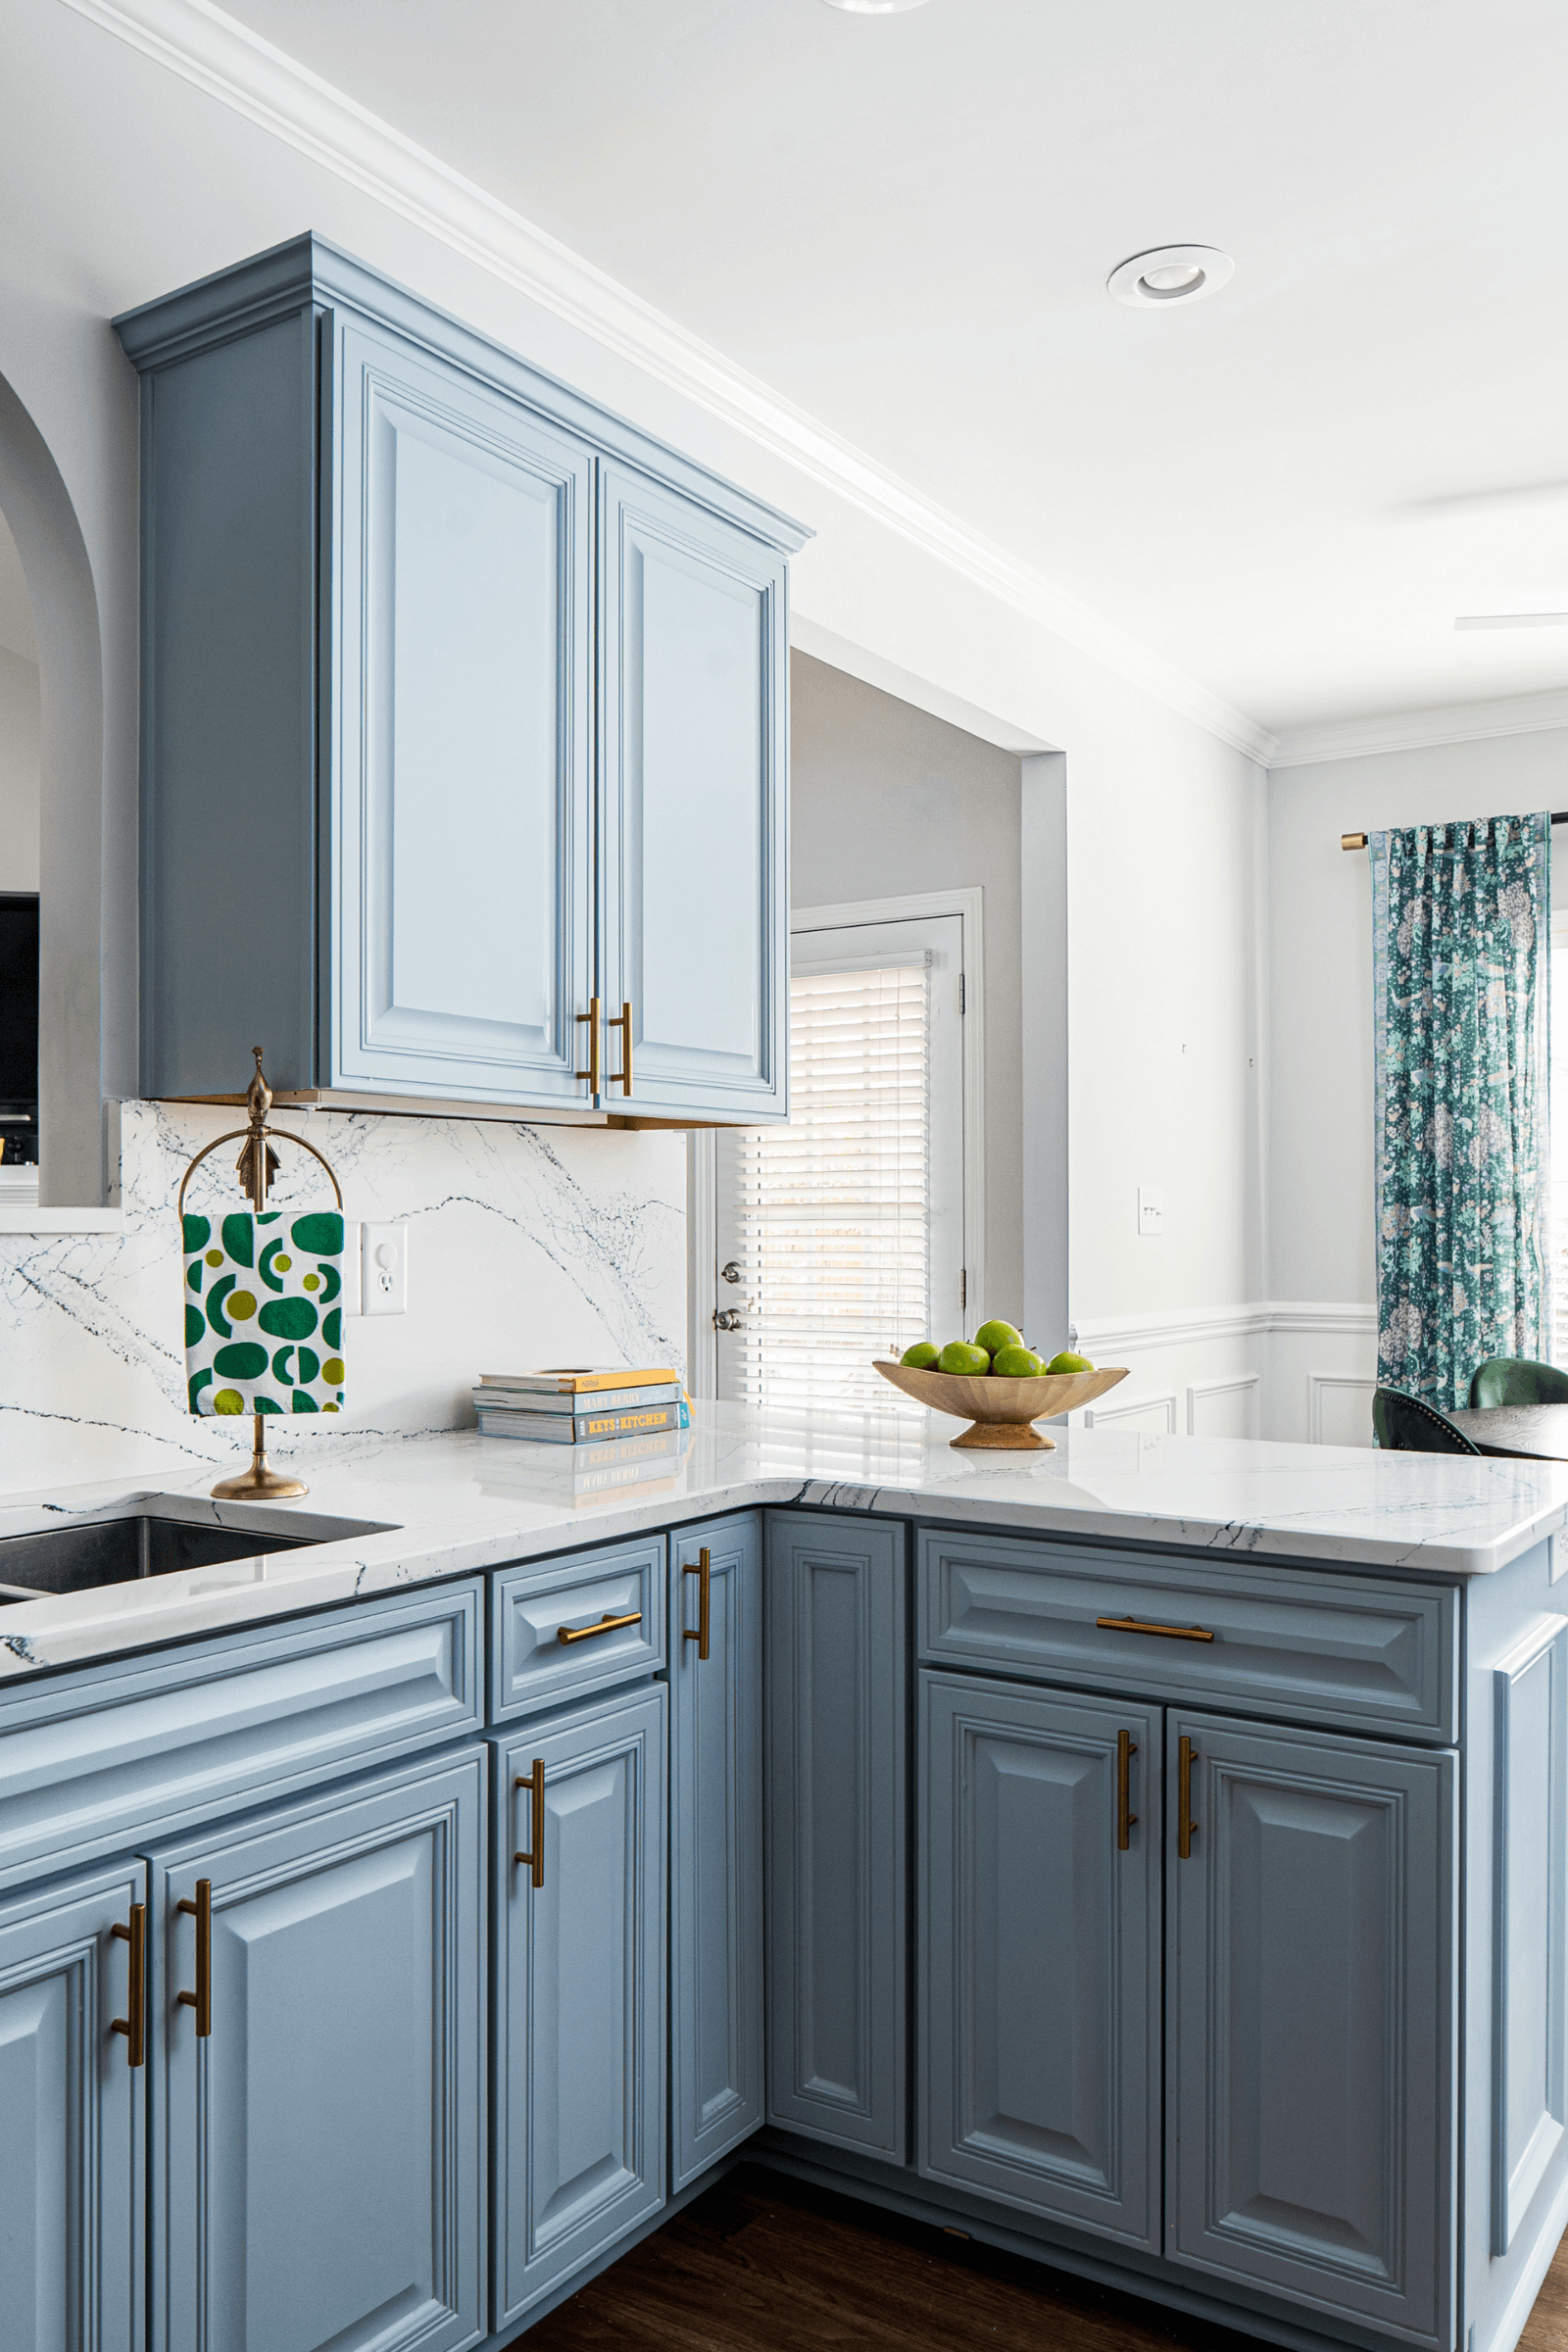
(1311, 2020)
(838, 1924)
(458, 903)
(716, 1817)
(1038, 1951)
(693, 807)
(579, 1990)
(73, 2114)
(319, 2145)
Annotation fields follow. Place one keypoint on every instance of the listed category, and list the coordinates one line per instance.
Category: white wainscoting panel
(1339, 1408)
(1231, 1407)
(1154, 1416)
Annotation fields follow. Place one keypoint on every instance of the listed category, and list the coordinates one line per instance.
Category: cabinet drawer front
(1351, 1652)
(92, 1762)
(532, 1667)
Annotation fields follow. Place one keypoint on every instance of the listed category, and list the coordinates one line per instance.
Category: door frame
(701, 1145)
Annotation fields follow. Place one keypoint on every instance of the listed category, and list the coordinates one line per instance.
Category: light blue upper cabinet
(377, 834)
(459, 858)
(716, 1859)
(320, 2140)
(694, 862)
(72, 2099)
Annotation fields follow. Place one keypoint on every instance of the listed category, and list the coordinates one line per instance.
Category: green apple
(1066, 1362)
(992, 1336)
(922, 1356)
(1016, 1363)
(958, 1357)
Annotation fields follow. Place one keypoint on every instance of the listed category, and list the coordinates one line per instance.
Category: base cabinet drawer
(319, 2129)
(1039, 1951)
(1354, 1652)
(1311, 2022)
(578, 2023)
(561, 1629)
(73, 2114)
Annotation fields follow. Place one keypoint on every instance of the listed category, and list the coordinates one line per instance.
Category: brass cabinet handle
(201, 2001)
(134, 2026)
(534, 1782)
(1186, 1825)
(1172, 1633)
(591, 1073)
(607, 1625)
(1126, 1822)
(622, 1020)
(703, 1568)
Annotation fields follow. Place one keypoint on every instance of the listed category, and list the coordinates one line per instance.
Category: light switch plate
(383, 1269)
(1151, 1209)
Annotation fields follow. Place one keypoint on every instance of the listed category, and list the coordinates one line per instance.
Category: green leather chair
(1407, 1425)
(1515, 1379)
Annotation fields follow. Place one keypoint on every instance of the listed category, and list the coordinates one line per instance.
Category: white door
(840, 1234)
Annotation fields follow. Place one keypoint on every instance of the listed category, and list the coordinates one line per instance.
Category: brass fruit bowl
(1000, 1411)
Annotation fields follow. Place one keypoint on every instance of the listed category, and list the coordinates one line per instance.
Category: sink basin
(117, 1551)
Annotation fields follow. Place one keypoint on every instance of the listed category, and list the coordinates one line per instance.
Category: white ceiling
(903, 225)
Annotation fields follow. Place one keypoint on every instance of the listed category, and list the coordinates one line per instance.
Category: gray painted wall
(886, 801)
(19, 771)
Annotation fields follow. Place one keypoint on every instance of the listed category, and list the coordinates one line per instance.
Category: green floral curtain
(1461, 929)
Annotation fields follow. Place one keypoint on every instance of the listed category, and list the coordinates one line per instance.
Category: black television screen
(19, 997)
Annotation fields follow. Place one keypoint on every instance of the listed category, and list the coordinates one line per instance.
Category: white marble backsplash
(526, 1246)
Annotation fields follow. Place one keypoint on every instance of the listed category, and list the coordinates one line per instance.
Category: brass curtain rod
(1358, 841)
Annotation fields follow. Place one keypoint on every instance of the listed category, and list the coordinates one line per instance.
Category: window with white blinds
(1559, 1134)
(829, 1217)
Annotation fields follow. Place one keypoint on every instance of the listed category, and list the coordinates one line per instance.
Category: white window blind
(1559, 1134)
(829, 1215)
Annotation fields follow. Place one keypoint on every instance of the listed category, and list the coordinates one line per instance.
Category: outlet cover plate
(1151, 1209)
(383, 1269)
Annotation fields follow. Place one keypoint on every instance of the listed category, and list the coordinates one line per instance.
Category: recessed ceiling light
(1512, 620)
(1171, 274)
(876, 8)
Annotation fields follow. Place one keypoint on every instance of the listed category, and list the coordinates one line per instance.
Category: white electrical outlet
(1151, 1209)
(383, 1269)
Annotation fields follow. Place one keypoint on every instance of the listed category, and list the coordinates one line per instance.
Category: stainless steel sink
(148, 1543)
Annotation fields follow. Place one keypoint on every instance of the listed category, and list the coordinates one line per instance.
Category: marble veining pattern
(527, 1245)
(393, 1513)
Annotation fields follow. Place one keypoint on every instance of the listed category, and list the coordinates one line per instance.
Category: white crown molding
(1419, 730)
(1251, 1319)
(229, 62)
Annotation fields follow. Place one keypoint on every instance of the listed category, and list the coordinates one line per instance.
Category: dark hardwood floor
(764, 2264)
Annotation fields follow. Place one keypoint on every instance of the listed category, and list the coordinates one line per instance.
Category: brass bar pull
(703, 1568)
(1186, 1825)
(134, 2026)
(1172, 1633)
(607, 1625)
(591, 1073)
(201, 2001)
(1126, 1822)
(534, 1782)
(622, 1020)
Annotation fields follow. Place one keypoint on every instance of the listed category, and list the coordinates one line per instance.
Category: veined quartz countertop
(453, 1504)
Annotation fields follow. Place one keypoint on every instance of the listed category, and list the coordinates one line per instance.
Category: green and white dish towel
(264, 1313)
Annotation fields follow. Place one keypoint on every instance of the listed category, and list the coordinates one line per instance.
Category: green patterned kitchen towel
(264, 1313)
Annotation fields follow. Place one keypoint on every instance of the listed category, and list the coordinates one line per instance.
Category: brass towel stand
(255, 1167)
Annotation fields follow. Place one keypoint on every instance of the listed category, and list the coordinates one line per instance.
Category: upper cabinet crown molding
(464, 721)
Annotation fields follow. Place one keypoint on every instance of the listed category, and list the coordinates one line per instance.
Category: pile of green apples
(997, 1348)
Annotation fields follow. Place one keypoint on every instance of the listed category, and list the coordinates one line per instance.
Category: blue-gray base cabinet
(477, 801)
(837, 1810)
(1041, 1853)
(74, 2113)
(579, 2021)
(716, 1846)
(319, 2135)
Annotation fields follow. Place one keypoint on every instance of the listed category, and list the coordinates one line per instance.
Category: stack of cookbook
(581, 1405)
